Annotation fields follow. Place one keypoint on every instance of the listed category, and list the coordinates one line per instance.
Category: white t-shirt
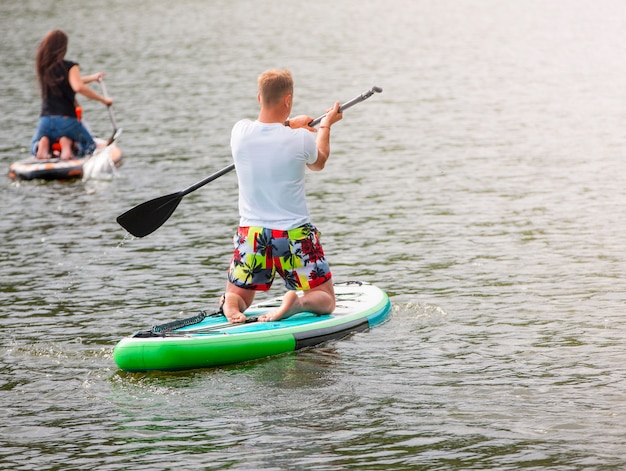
(270, 160)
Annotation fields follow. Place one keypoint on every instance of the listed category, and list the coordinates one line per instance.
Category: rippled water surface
(483, 190)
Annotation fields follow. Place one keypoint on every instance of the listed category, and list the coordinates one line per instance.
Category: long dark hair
(50, 55)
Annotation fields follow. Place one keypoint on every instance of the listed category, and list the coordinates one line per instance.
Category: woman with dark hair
(59, 81)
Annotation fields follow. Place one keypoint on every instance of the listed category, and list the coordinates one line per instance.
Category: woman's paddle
(101, 163)
(116, 131)
(147, 217)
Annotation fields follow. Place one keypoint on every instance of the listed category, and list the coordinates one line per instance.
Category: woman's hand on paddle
(93, 77)
(79, 86)
(301, 121)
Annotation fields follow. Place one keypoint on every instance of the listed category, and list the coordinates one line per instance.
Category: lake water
(484, 190)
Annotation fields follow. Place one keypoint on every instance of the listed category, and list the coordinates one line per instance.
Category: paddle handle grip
(349, 104)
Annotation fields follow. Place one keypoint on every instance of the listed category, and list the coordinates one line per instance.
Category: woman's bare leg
(66, 148)
(43, 148)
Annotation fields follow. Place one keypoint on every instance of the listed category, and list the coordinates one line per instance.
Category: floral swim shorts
(296, 255)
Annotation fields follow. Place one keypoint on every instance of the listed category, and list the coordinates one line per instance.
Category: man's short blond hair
(274, 85)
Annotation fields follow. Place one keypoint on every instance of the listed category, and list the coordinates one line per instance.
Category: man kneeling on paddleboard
(275, 232)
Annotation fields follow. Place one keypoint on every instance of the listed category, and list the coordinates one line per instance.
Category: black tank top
(62, 103)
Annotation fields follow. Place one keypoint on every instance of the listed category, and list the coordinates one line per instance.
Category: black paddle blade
(147, 217)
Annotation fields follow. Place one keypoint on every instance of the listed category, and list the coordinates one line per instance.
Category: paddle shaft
(109, 109)
(349, 104)
(315, 122)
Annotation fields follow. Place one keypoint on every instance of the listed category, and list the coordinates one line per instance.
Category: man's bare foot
(290, 306)
(236, 318)
(231, 309)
